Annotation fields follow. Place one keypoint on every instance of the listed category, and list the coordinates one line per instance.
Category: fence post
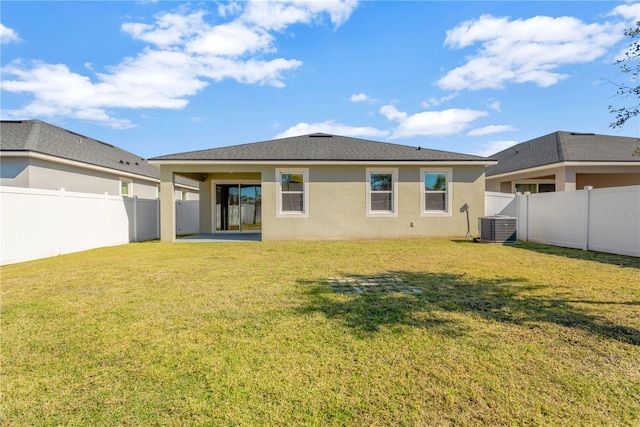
(178, 214)
(526, 215)
(587, 190)
(105, 219)
(60, 221)
(135, 218)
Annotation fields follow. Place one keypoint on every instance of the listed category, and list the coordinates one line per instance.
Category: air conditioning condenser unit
(498, 229)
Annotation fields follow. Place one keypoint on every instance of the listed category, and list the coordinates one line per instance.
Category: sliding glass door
(238, 207)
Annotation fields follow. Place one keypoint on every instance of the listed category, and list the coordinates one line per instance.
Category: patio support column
(206, 202)
(167, 205)
(566, 179)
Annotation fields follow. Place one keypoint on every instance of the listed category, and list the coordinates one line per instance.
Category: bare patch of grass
(253, 334)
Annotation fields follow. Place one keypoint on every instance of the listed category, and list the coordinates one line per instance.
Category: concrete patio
(221, 237)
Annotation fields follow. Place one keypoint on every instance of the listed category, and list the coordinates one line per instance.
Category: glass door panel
(233, 203)
(251, 207)
(238, 207)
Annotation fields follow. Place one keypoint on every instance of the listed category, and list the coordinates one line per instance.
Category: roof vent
(582, 133)
(320, 135)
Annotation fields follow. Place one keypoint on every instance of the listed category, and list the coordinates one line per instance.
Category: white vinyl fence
(604, 219)
(42, 223)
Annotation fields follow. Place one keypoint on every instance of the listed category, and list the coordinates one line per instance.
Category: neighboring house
(323, 186)
(35, 154)
(565, 161)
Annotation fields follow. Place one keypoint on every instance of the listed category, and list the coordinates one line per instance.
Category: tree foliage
(630, 66)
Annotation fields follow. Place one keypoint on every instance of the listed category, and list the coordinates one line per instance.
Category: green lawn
(252, 334)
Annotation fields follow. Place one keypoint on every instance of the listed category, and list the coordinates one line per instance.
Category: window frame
(129, 183)
(394, 193)
(280, 213)
(448, 212)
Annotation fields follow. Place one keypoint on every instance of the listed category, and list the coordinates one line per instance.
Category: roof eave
(481, 162)
(567, 163)
(76, 163)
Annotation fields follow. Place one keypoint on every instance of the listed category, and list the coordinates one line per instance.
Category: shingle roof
(320, 147)
(565, 147)
(44, 138)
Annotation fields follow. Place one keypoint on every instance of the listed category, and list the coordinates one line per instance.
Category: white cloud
(229, 9)
(520, 51)
(488, 150)
(628, 11)
(433, 102)
(185, 52)
(333, 128)
(7, 35)
(233, 39)
(430, 123)
(277, 15)
(362, 97)
(488, 130)
(494, 105)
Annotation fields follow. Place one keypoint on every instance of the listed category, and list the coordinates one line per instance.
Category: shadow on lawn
(619, 260)
(502, 300)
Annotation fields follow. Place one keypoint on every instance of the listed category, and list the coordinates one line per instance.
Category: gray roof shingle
(320, 147)
(565, 147)
(44, 138)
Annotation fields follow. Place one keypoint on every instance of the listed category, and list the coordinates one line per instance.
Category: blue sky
(160, 77)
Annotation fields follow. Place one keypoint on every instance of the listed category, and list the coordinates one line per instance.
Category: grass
(252, 334)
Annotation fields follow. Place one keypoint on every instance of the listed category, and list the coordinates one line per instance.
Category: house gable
(57, 157)
(562, 147)
(565, 161)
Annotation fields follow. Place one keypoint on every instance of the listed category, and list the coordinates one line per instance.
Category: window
(125, 187)
(292, 193)
(435, 195)
(538, 186)
(382, 192)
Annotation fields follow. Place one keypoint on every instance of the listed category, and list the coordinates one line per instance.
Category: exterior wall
(52, 176)
(338, 207)
(605, 180)
(37, 173)
(14, 172)
(337, 202)
(505, 184)
(571, 178)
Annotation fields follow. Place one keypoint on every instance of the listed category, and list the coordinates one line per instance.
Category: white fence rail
(604, 219)
(42, 223)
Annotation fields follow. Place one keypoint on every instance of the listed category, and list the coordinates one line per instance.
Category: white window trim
(394, 176)
(305, 197)
(129, 183)
(449, 194)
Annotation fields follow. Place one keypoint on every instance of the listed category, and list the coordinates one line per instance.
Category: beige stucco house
(35, 154)
(565, 161)
(323, 186)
